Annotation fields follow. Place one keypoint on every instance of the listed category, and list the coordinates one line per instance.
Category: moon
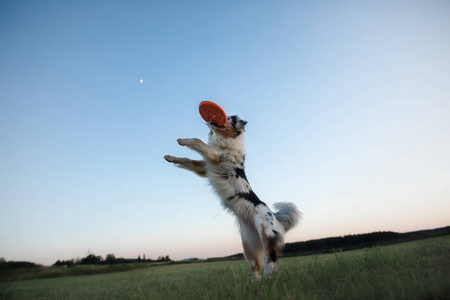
(141, 80)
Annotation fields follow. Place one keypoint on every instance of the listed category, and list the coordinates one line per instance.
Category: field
(415, 270)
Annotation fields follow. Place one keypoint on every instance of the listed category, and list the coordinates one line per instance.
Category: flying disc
(212, 112)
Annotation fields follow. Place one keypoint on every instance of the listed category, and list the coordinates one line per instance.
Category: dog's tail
(288, 214)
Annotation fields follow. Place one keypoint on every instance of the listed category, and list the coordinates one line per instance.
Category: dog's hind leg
(270, 241)
(253, 248)
(271, 233)
(270, 248)
(196, 166)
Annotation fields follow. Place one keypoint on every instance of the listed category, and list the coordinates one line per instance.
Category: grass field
(416, 270)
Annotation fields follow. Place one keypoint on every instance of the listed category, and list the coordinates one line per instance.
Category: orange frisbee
(212, 112)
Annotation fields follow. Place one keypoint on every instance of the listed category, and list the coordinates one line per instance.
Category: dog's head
(230, 133)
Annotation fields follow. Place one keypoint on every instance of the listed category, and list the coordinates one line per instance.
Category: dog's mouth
(212, 125)
(215, 129)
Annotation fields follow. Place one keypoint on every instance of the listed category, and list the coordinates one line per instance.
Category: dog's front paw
(186, 142)
(171, 159)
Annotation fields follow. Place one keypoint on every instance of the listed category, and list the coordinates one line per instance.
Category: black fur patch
(240, 173)
(251, 196)
(272, 247)
(234, 120)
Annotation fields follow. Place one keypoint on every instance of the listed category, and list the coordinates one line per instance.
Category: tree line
(110, 259)
(358, 241)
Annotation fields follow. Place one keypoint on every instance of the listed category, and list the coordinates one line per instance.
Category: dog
(262, 231)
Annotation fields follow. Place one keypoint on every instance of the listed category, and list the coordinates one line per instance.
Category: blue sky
(348, 106)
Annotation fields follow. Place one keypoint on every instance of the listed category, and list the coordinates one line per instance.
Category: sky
(347, 103)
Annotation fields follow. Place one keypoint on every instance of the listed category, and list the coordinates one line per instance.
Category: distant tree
(64, 263)
(91, 259)
(139, 257)
(2, 260)
(70, 263)
(110, 259)
(58, 263)
(164, 258)
(144, 257)
(13, 265)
